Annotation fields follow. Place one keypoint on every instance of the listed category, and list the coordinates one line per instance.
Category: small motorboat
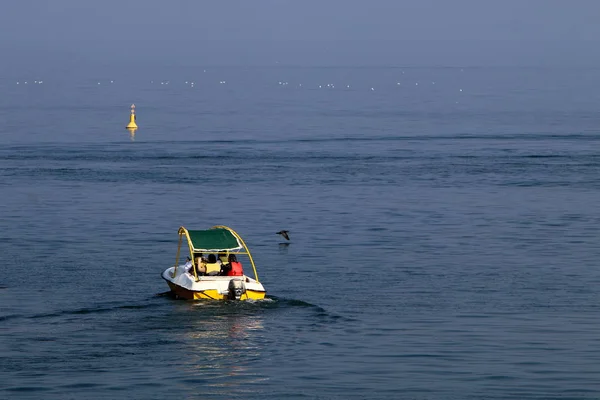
(203, 277)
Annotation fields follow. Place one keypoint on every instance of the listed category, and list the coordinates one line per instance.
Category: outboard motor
(236, 289)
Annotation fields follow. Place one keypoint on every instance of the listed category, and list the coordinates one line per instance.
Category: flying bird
(284, 234)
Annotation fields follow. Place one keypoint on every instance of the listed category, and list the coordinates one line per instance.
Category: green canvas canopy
(214, 240)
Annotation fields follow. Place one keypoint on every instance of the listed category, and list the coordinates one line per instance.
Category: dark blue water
(444, 226)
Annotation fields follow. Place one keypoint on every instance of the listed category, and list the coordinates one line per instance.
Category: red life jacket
(236, 269)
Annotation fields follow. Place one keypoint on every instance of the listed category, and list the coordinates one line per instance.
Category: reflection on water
(230, 326)
(283, 248)
(132, 133)
(222, 343)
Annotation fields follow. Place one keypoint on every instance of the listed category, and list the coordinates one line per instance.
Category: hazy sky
(305, 32)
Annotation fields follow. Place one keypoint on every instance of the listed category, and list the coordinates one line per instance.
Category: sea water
(443, 223)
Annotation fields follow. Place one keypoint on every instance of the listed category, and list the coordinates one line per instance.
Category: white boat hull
(185, 285)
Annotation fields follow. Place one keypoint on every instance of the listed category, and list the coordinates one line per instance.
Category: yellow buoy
(132, 124)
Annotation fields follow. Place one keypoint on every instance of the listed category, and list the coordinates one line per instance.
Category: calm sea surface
(444, 224)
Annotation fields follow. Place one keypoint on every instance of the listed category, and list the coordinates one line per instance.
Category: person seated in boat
(188, 267)
(201, 267)
(199, 256)
(200, 264)
(212, 266)
(232, 268)
(222, 258)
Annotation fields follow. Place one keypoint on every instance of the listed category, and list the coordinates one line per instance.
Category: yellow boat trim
(215, 295)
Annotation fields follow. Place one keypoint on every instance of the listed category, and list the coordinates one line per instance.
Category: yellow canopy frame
(184, 232)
